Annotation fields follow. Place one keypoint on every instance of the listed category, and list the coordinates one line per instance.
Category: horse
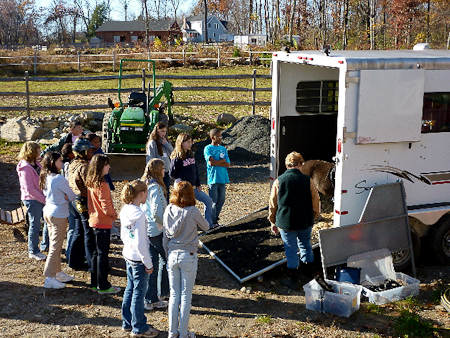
(322, 175)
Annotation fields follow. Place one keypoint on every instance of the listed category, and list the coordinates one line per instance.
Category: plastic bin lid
(373, 263)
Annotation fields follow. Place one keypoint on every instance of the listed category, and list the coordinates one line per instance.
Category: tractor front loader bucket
(126, 166)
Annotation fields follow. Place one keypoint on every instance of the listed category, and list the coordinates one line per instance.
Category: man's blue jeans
(217, 194)
(133, 316)
(294, 241)
(34, 211)
(207, 201)
(158, 281)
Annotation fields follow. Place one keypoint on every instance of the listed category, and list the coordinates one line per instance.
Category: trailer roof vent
(422, 46)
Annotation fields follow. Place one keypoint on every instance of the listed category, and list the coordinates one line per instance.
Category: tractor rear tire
(164, 119)
(106, 134)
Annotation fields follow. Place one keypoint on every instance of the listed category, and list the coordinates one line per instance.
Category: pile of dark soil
(246, 246)
(247, 140)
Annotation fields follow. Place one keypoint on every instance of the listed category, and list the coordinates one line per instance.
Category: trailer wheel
(402, 259)
(440, 241)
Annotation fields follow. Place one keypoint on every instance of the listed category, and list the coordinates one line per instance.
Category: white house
(250, 39)
(193, 29)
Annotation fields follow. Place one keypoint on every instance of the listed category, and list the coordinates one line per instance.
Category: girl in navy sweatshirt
(184, 168)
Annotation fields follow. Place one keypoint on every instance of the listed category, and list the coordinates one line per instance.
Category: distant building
(133, 31)
(250, 39)
(193, 29)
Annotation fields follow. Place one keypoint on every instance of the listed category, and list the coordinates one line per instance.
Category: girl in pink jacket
(32, 196)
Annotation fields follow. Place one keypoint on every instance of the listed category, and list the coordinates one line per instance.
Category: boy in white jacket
(137, 258)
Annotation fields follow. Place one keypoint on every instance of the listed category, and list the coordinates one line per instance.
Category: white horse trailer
(381, 116)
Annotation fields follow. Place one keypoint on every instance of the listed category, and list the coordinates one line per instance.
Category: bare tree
(175, 5)
(125, 4)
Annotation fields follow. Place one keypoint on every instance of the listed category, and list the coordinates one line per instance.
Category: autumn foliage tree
(18, 22)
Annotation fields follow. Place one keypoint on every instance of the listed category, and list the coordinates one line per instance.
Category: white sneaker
(38, 256)
(64, 277)
(190, 334)
(53, 283)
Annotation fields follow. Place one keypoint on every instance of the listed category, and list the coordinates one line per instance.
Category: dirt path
(221, 308)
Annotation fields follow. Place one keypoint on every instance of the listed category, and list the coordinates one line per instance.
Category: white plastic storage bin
(343, 302)
(410, 287)
(376, 266)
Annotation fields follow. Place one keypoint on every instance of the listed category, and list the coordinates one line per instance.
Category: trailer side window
(317, 97)
(436, 113)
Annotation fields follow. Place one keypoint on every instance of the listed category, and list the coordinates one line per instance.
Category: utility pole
(206, 19)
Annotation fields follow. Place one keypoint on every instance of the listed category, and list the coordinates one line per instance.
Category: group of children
(159, 234)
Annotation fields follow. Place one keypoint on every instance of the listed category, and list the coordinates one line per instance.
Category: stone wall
(47, 129)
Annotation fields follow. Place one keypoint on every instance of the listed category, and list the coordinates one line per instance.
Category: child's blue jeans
(217, 194)
(133, 316)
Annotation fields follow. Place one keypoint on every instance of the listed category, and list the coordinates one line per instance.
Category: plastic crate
(410, 287)
(343, 302)
(376, 266)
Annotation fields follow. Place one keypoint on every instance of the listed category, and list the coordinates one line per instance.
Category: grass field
(186, 96)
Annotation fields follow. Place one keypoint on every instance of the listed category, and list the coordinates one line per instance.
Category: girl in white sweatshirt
(137, 258)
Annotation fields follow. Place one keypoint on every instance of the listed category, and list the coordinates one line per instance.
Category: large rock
(50, 124)
(20, 129)
(225, 118)
(87, 116)
(182, 128)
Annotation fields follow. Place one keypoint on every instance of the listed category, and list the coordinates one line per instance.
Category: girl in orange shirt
(101, 217)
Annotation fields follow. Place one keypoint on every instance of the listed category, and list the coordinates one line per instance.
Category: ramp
(126, 166)
(383, 224)
(245, 247)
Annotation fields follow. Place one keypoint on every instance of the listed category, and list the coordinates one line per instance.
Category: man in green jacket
(294, 204)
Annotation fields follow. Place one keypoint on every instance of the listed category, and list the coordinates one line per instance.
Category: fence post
(35, 61)
(114, 61)
(27, 90)
(254, 93)
(251, 56)
(143, 80)
(79, 65)
(149, 65)
(184, 57)
(218, 57)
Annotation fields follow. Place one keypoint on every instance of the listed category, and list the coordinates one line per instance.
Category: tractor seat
(137, 99)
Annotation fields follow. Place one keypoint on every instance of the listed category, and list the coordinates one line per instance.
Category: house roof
(122, 26)
(161, 25)
(136, 26)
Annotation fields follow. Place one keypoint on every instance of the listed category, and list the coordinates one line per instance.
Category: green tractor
(127, 128)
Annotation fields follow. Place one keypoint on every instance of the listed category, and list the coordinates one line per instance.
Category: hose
(445, 298)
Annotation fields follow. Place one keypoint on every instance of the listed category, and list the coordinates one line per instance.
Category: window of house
(116, 38)
(317, 97)
(209, 25)
(214, 35)
(436, 113)
(216, 26)
(134, 38)
(253, 41)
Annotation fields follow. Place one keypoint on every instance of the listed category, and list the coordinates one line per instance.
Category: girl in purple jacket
(32, 196)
